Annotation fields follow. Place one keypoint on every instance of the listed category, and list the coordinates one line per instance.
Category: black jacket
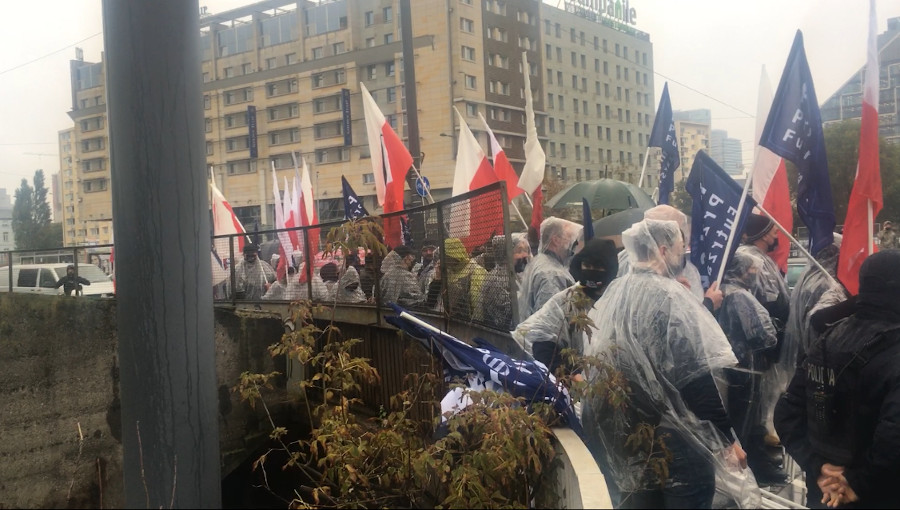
(869, 412)
(70, 283)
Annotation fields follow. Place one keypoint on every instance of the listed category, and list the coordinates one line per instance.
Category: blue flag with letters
(794, 132)
(716, 197)
(353, 206)
(522, 378)
(663, 136)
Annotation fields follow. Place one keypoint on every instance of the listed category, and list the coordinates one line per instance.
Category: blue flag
(663, 136)
(521, 378)
(405, 233)
(794, 132)
(716, 197)
(353, 206)
(587, 220)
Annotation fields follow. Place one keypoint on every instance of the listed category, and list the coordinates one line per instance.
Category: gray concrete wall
(59, 370)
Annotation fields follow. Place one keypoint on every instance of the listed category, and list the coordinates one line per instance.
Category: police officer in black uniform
(840, 417)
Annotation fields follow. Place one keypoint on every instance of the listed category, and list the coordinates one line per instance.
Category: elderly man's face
(250, 256)
(674, 256)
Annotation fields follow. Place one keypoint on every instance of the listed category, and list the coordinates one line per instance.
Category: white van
(42, 279)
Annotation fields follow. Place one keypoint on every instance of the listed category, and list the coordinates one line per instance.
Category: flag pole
(644, 167)
(517, 212)
(734, 228)
(811, 259)
(870, 223)
(427, 190)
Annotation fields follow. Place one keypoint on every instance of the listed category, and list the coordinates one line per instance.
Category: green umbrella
(602, 194)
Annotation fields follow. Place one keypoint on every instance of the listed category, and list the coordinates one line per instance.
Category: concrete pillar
(170, 429)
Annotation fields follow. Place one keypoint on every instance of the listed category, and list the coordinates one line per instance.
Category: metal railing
(465, 281)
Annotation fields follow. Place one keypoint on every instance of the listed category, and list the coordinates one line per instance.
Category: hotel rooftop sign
(617, 14)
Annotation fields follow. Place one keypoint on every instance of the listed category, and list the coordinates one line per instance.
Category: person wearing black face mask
(551, 329)
(759, 239)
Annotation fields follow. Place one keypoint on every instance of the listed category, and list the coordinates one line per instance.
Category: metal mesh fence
(452, 258)
(476, 259)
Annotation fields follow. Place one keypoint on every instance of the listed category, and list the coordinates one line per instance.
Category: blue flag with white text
(716, 197)
(522, 378)
(353, 206)
(794, 132)
(663, 136)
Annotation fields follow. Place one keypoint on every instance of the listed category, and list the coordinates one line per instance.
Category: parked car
(796, 266)
(42, 279)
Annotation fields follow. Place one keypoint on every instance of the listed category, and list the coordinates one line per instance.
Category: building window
(290, 58)
(371, 71)
(285, 111)
(338, 48)
(284, 136)
(471, 109)
(370, 42)
(240, 167)
(468, 53)
(246, 68)
(229, 72)
(94, 185)
(235, 120)
(368, 178)
(369, 18)
(318, 53)
(238, 96)
(466, 25)
(388, 14)
(209, 149)
(389, 69)
(281, 87)
(471, 82)
(391, 94)
(388, 38)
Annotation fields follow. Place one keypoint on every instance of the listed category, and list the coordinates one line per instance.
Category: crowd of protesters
(728, 378)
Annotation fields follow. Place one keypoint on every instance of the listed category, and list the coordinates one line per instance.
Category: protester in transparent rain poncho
(548, 272)
(348, 288)
(399, 285)
(661, 342)
(494, 296)
(552, 328)
(749, 328)
(286, 288)
(689, 275)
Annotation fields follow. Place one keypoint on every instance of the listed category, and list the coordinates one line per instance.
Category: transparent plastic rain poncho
(494, 298)
(689, 272)
(808, 291)
(349, 289)
(399, 285)
(771, 286)
(551, 324)
(547, 273)
(744, 321)
(649, 328)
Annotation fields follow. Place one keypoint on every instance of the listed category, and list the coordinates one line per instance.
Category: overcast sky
(709, 51)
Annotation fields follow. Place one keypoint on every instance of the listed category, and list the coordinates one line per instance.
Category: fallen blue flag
(716, 197)
(663, 136)
(526, 379)
(794, 132)
(353, 206)
(587, 220)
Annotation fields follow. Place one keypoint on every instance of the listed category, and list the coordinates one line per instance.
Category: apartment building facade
(693, 129)
(846, 103)
(282, 77)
